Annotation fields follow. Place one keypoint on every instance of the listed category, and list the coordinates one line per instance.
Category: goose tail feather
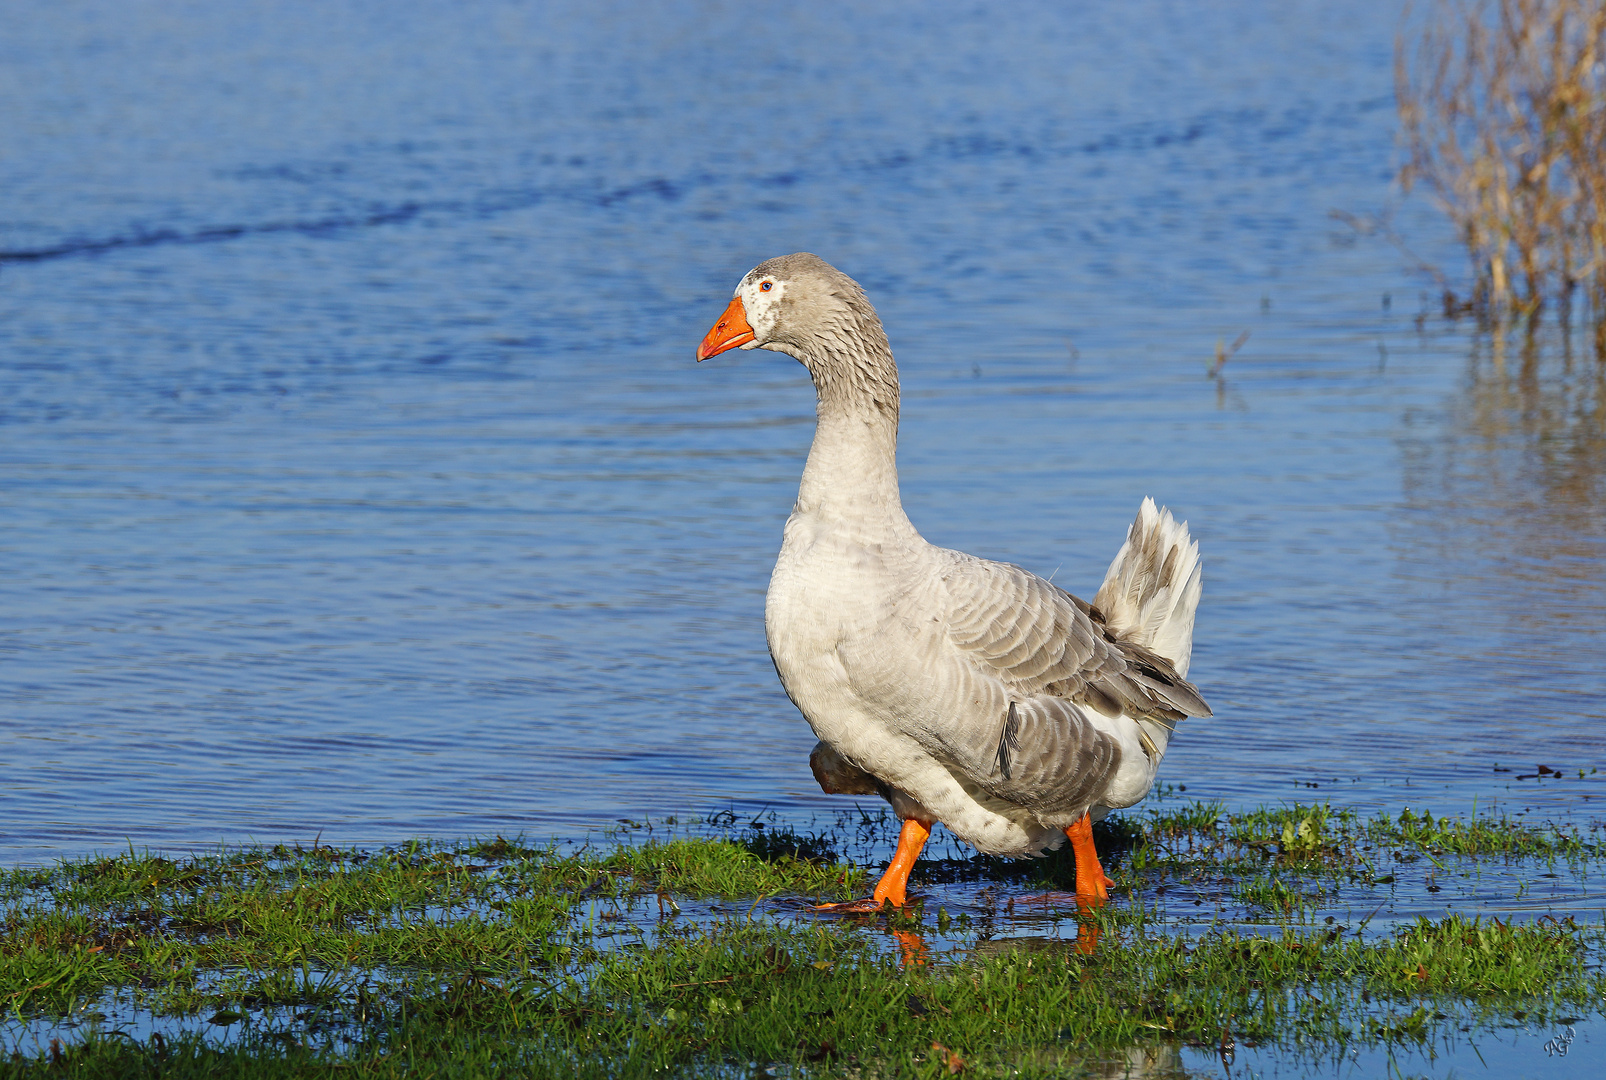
(1153, 586)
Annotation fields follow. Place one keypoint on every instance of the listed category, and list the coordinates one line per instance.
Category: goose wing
(1054, 659)
(1039, 639)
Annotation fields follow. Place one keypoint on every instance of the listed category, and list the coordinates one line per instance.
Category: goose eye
(767, 286)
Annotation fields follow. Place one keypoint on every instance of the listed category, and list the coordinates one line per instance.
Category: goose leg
(910, 841)
(896, 879)
(1091, 881)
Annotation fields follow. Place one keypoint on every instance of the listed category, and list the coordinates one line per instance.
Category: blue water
(356, 477)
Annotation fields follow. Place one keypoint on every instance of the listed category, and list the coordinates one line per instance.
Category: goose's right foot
(893, 884)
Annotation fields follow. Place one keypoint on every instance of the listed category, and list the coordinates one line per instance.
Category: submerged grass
(700, 954)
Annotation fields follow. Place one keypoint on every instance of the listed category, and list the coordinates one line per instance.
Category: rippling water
(358, 478)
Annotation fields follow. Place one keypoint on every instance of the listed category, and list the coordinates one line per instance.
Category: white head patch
(761, 297)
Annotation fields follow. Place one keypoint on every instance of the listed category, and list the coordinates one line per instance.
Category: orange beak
(731, 330)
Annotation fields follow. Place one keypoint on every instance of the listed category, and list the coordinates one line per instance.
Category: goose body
(959, 689)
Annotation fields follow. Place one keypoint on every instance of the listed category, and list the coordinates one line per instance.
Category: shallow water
(359, 480)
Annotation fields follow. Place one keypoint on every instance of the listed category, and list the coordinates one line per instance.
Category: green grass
(1340, 838)
(697, 954)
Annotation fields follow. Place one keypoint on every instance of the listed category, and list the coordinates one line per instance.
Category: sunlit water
(358, 480)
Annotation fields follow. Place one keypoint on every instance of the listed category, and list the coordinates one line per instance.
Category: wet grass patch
(1289, 927)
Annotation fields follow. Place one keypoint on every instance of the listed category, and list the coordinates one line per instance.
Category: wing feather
(1055, 659)
(1039, 639)
(1050, 758)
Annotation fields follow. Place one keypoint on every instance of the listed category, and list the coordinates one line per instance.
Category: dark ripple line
(952, 147)
(216, 233)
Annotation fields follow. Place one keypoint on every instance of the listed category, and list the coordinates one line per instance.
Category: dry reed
(1503, 107)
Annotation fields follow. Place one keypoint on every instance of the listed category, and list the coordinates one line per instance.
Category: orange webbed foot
(893, 886)
(1092, 883)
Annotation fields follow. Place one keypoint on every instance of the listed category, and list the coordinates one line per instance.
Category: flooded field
(1290, 941)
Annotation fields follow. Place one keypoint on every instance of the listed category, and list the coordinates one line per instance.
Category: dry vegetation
(1503, 107)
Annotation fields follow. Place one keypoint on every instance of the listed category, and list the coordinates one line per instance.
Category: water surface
(358, 480)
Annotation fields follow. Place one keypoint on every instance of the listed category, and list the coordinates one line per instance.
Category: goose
(958, 689)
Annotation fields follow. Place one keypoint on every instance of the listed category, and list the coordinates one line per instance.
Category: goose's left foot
(891, 888)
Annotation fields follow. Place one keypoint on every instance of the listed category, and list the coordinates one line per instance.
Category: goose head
(803, 306)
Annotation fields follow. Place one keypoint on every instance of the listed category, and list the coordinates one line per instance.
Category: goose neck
(852, 471)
